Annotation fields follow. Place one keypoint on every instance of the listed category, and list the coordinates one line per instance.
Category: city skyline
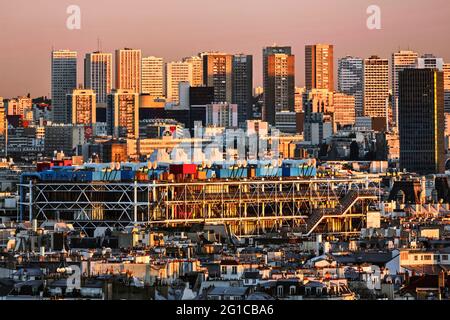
(241, 153)
(295, 27)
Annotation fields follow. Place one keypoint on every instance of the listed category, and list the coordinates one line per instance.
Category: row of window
(225, 270)
(429, 257)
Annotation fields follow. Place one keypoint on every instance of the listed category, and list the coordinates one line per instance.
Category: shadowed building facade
(243, 86)
(421, 120)
(64, 80)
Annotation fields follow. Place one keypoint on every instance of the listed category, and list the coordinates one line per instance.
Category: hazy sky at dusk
(177, 28)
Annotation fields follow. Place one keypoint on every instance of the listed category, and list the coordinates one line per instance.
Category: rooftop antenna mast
(99, 45)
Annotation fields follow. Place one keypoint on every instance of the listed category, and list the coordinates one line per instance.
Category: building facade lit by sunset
(446, 70)
(401, 60)
(376, 87)
(153, 76)
(2, 117)
(279, 81)
(177, 72)
(98, 74)
(122, 115)
(217, 73)
(319, 66)
(344, 109)
(81, 105)
(20, 106)
(128, 69)
(197, 70)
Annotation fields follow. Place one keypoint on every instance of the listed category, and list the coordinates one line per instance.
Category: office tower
(243, 86)
(319, 67)
(430, 61)
(217, 73)
(177, 72)
(122, 114)
(63, 137)
(286, 121)
(351, 80)
(447, 87)
(299, 92)
(153, 76)
(201, 96)
(279, 81)
(2, 117)
(64, 80)
(401, 60)
(128, 69)
(344, 109)
(81, 105)
(318, 101)
(318, 120)
(98, 74)
(376, 87)
(421, 120)
(222, 115)
(197, 70)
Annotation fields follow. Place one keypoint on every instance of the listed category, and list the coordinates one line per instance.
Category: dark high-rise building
(114, 151)
(201, 96)
(279, 81)
(421, 120)
(243, 86)
(64, 81)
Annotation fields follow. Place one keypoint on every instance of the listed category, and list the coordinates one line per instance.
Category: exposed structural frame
(247, 206)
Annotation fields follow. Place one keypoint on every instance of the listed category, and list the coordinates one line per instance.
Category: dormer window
(280, 291)
(292, 290)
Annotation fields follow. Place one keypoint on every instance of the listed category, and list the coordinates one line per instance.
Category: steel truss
(247, 206)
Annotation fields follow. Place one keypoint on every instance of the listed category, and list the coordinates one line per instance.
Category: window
(292, 290)
(427, 257)
(280, 291)
(445, 257)
(234, 270)
(308, 291)
(318, 292)
(224, 270)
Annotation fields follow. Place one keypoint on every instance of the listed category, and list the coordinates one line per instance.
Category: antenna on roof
(99, 44)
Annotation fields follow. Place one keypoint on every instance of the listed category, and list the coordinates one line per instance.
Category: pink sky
(176, 28)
